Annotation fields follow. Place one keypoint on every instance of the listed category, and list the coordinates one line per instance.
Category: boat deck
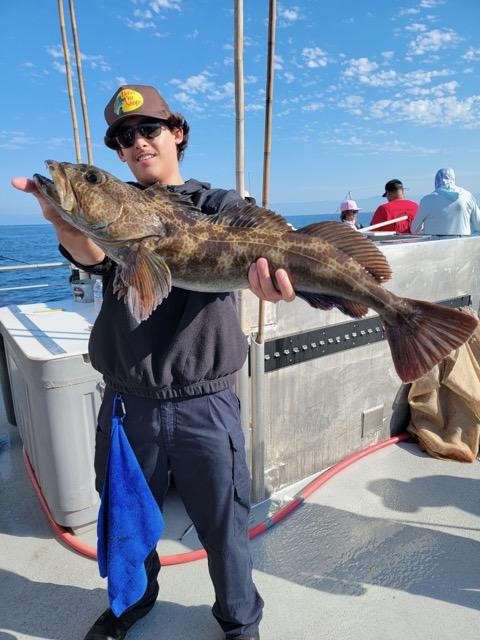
(387, 549)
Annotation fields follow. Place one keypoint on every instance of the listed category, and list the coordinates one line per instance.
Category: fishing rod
(13, 259)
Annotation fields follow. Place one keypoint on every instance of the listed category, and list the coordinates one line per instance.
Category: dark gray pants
(201, 441)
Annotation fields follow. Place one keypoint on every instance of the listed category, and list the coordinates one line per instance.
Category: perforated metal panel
(299, 347)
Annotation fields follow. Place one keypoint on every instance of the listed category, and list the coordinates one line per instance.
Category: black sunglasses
(125, 137)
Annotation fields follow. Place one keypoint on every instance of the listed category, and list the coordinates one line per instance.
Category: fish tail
(423, 334)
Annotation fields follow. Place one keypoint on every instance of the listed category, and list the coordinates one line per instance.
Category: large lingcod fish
(158, 240)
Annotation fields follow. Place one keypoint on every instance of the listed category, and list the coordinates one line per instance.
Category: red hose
(179, 558)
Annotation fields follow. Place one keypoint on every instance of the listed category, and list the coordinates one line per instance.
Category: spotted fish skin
(158, 239)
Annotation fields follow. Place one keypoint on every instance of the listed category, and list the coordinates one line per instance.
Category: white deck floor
(389, 549)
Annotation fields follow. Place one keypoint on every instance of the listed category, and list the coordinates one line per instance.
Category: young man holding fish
(175, 370)
(172, 353)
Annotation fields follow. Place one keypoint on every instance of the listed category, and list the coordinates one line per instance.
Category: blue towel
(130, 522)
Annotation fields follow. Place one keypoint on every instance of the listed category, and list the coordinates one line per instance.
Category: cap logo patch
(127, 100)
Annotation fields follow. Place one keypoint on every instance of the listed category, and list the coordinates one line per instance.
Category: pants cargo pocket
(241, 481)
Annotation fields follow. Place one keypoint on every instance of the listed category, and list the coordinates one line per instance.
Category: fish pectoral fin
(353, 244)
(319, 301)
(144, 281)
(352, 309)
(315, 300)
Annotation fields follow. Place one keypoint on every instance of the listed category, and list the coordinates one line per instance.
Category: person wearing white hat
(348, 214)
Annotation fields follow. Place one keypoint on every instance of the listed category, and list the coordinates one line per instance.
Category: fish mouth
(58, 190)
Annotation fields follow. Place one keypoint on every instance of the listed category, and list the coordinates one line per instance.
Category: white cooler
(51, 393)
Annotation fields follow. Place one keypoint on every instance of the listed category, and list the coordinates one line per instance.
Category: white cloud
(366, 144)
(144, 14)
(91, 61)
(439, 90)
(314, 57)
(430, 4)
(360, 67)
(363, 70)
(289, 15)
(353, 104)
(381, 79)
(60, 67)
(278, 62)
(95, 62)
(55, 52)
(288, 77)
(416, 78)
(226, 90)
(145, 17)
(59, 142)
(472, 54)
(138, 25)
(197, 90)
(435, 111)
(415, 26)
(158, 5)
(388, 55)
(408, 12)
(256, 106)
(434, 41)
(199, 83)
(188, 101)
(313, 106)
(14, 140)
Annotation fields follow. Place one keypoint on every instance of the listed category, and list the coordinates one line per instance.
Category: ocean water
(298, 222)
(31, 244)
(34, 244)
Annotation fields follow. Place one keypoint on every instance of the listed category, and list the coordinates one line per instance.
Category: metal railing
(24, 267)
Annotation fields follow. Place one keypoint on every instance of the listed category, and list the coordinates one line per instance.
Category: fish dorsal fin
(240, 214)
(354, 244)
(250, 216)
(179, 202)
(144, 281)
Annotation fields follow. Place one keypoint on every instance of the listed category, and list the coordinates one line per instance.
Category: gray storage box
(56, 398)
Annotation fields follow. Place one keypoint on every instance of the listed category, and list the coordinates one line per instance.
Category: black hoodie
(192, 343)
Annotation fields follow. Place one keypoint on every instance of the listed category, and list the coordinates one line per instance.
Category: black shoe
(108, 627)
(254, 636)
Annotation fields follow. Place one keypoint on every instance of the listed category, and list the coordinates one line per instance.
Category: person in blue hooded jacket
(447, 211)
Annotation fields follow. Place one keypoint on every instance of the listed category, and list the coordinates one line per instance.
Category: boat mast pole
(267, 147)
(68, 71)
(242, 386)
(239, 100)
(258, 345)
(81, 87)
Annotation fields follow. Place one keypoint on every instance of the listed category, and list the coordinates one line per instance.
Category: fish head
(87, 197)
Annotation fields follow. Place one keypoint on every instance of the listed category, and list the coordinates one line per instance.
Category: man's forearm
(82, 249)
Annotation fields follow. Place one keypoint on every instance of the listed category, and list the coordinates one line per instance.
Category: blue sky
(364, 92)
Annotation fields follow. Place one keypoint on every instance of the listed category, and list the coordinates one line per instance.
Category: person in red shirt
(396, 206)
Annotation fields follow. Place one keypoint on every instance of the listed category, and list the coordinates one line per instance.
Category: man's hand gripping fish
(158, 240)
